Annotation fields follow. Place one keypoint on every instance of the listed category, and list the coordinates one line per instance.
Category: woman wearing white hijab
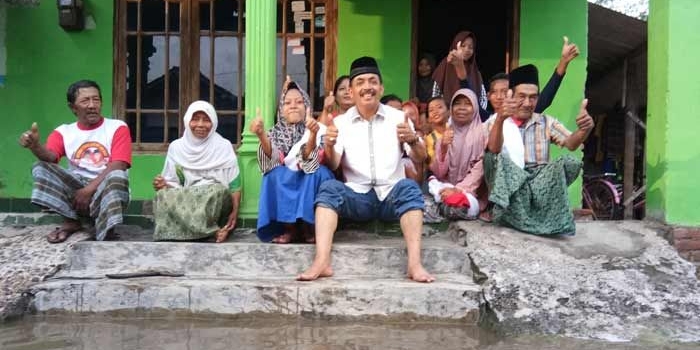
(199, 190)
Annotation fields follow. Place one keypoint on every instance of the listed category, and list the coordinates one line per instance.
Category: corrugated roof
(22, 2)
(612, 36)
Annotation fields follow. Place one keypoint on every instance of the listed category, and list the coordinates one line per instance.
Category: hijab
(445, 75)
(209, 153)
(284, 135)
(468, 143)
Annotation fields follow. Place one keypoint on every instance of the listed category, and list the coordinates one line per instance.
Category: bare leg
(326, 223)
(412, 228)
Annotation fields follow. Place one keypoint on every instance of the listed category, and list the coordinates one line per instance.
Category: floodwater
(34, 333)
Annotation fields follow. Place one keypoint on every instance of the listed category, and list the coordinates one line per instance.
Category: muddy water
(253, 334)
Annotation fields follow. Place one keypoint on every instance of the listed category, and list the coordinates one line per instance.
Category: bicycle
(602, 196)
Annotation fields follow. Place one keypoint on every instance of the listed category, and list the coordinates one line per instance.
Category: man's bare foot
(315, 272)
(60, 234)
(419, 274)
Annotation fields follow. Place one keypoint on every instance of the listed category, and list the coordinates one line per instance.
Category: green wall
(543, 23)
(381, 29)
(673, 148)
(42, 60)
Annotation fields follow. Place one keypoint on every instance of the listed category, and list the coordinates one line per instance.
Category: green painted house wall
(381, 29)
(42, 60)
(543, 23)
(673, 147)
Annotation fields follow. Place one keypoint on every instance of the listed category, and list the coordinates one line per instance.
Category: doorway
(491, 21)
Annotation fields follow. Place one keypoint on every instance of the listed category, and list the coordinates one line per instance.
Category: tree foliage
(633, 8)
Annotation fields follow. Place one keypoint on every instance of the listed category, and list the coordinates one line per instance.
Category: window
(169, 53)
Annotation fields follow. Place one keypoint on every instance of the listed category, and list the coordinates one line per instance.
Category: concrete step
(353, 255)
(452, 297)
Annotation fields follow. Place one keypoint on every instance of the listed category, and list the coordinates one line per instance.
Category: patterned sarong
(190, 213)
(55, 187)
(532, 200)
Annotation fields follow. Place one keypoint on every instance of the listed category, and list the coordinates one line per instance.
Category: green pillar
(260, 60)
(672, 145)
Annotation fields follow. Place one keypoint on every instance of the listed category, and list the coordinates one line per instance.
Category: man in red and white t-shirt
(96, 184)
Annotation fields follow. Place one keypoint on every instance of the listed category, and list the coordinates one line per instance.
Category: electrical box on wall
(70, 14)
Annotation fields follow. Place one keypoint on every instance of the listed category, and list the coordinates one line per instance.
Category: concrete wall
(42, 60)
(673, 148)
(381, 29)
(542, 25)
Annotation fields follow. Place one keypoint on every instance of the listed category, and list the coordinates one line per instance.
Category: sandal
(61, 234)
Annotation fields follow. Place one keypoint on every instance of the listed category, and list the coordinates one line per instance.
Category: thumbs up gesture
(509, 107)
(311, 123)
(584, 121)
(448, 137)
(257, 126)
(404, 132)
(568, 51)
(329, 102)
(331, 135)
(30, 138)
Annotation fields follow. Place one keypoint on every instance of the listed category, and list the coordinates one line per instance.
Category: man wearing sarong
(528, 192)
(368, 142)
(95, 185)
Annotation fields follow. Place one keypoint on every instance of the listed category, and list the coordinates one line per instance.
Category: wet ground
(33, 333)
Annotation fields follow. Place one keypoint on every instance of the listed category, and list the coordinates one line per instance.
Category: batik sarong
(190, 213)
(55, 187)
(533, 200)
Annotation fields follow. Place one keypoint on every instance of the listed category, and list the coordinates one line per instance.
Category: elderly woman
(290, 158)
(198, 192)
(458, 174)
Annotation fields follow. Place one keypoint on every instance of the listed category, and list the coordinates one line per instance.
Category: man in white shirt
(368, 142)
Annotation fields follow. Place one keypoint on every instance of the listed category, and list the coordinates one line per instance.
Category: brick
(685, 245)
(686, 233)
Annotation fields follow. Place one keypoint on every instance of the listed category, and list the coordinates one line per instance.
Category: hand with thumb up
(30, 138)
(584, 121)
(331, 135)
(329, 102)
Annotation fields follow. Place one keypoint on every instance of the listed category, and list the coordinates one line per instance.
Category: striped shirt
(537, 134)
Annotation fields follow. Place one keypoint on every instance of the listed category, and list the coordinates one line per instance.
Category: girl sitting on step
(290, 156)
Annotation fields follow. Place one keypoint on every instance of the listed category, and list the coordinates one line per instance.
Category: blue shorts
(403, 197)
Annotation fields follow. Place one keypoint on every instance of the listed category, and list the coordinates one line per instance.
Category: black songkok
(364, 65)
(526, 74)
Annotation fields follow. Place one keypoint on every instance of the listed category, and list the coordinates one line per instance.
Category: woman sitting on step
(458, 172)
(199, 190)
(290, 158)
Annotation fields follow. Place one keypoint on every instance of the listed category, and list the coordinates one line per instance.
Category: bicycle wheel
(601, 199)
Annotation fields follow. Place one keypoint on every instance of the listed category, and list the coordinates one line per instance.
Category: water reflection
(253, 334)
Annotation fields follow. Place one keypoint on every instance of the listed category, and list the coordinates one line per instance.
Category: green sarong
(190, 213)
(533, 200)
